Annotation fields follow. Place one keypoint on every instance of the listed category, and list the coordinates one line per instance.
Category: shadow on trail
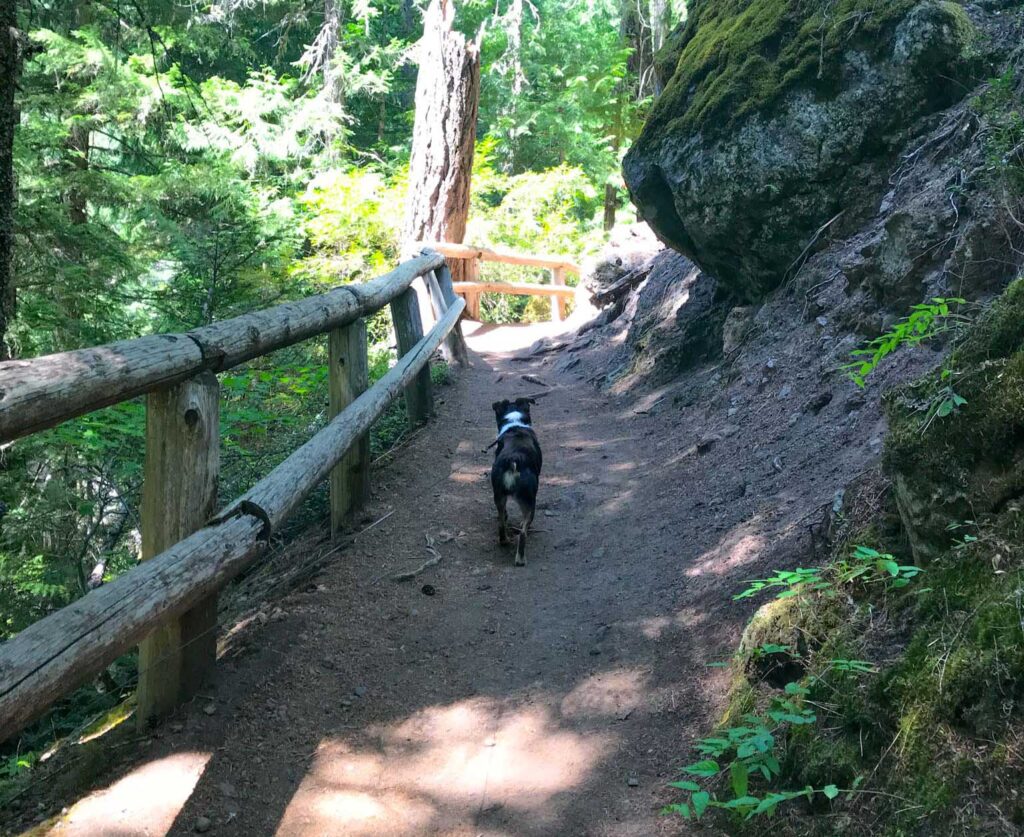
(559, 699)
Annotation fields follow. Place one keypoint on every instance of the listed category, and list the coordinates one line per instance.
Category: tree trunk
(9, 69)
(611, 204)
(444, 133)
(514, 29)
(333, 82)
(659, 18)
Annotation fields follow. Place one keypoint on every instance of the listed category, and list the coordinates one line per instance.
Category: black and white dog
(516, 469)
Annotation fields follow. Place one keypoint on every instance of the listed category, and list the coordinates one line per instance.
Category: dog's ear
(499, 407)
(526, 401)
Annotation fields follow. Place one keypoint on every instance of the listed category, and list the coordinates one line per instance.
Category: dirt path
(552, 700)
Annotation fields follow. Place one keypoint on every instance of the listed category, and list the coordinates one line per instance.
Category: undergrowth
(884, 688)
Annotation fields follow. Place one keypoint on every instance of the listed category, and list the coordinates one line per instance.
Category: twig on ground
(430, 562)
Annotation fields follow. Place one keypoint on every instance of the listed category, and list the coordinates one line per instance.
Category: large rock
(781, 117)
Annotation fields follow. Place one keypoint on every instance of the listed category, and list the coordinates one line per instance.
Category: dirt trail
(552, 700)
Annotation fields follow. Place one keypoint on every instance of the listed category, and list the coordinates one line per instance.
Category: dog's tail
(510, 479)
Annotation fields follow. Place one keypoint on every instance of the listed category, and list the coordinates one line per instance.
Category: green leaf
(685, 785)
(680, 808)
(742, 802)
(830, 791)
(706, 768)
(739, 777)
(700, 802)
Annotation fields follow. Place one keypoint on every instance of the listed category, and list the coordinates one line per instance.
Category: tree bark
(333, 82)
(659, 18)
(444, 133)
(611, 204)
(10, 65)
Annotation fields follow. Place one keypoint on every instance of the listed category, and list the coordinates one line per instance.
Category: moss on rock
(734, 57)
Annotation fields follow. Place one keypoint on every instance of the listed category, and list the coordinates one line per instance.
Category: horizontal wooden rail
(38, 393)
(515, 288)
(50, 658)
(466, 251)
(558, 265)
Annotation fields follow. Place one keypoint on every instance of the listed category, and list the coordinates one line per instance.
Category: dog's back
(516, 469)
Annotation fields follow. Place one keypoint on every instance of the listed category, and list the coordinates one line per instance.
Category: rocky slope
(808, 206)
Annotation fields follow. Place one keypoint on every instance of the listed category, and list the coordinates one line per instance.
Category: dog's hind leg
(501, 502)
(521, 543)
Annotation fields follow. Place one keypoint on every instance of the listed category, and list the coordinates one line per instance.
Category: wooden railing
(472, 289)
(167, 604)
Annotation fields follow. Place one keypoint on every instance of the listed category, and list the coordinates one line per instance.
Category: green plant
(870, 566)
(440, 373)
(866, 565)
(750, 752)
(792, 583)
(963, 543)
(852, 666)
(926, 320)
(771, 648)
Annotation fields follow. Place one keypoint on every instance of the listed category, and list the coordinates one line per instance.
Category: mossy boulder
(799, 624)
(782, 114)
(970, 464)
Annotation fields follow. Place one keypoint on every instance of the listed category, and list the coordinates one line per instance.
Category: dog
(516, 469)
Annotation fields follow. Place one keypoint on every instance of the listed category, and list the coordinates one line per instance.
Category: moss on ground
(934, 735)
(967, 465)
(735, 57)
(937, 730)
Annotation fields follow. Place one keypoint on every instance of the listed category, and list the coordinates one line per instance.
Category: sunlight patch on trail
(737, 550)
(441, 769)
(607, 694)
(144, 802)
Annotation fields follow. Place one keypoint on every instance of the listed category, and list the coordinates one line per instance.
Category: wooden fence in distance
(167, 604)
(471, 290)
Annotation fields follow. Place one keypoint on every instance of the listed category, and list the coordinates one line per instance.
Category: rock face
(782, 122)
(676, 319)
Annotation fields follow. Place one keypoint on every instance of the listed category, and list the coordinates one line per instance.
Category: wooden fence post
(473, 299)
(558, 304)
(348, 378)
(454, 347)
(179, 495)
(419, 397)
